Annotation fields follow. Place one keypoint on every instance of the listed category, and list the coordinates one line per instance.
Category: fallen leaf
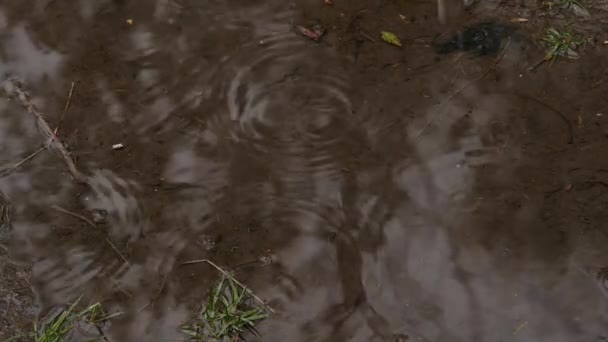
(390, 38)
(580, 10)
(314, 34)
(519, 20)
(130, 21)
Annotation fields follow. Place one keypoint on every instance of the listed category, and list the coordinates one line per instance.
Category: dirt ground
(367, 192)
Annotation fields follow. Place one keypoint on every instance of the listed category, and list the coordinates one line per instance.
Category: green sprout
(561, 44)
(226, 316)
(58, 328)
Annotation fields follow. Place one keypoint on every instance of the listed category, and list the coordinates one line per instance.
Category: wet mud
(367, 192)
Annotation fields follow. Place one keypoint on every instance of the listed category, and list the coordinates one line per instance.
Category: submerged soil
(367, 192)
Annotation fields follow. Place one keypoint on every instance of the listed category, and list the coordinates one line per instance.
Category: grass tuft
(228, 313)
(561, 44)
(58, 327)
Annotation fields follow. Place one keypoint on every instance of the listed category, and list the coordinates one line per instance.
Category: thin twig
(65, 211)
(520, 327)
(389, 126)
(8, 170)
(67, 105)
(366, 35)
(162, 287)
(554, 110)
(117, 251)
(537, 64)
(103, 319)
(110, 316)
(25, 101)
(444, 103)
(100, 331)
(90, 223)
(228, 275)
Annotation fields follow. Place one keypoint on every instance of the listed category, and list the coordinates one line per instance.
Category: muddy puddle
(451, 189)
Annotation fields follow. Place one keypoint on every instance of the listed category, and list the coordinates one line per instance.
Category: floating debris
(315, 33)
(519, 20)
(390, 38)
(118, 146)
(99, 216)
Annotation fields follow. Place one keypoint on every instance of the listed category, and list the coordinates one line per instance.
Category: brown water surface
(367, 192)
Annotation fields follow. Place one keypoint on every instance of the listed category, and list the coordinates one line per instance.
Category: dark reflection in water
(481, 39)
(369, 193)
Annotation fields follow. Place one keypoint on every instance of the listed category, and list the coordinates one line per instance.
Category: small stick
(100, 331)
(65, 211)
(554, 110)
(539, 63)
(46, 130)
(26, 159)
(65, 109)
(226, 274)
(162, 287)
(103, 319)
(520, 327)
(110, 316)
(118, 252)
(366, 35)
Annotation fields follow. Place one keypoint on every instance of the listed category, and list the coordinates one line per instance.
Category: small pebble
(99, 216)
